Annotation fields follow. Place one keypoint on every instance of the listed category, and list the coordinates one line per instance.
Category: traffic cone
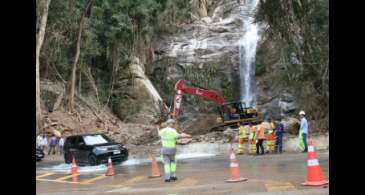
(314, 173)
(235, 171)
(110, 170)
(74, 172)
(155, 171)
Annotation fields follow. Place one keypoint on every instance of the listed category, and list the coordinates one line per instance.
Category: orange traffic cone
(110, 170)
(235, 171)
(155, 171)
(74, 172)
(314, 173)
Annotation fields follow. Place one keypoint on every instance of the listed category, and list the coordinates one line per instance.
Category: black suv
(93, 149)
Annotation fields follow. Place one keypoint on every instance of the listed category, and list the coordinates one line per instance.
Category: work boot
(173, 178)
(167, 180)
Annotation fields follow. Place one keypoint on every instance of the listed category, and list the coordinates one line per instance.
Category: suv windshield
(94, 140)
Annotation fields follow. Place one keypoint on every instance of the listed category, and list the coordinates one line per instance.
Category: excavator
(231, 113)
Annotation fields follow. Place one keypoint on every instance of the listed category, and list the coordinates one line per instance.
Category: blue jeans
(304, 135)
(52, 148)
(60, 149)
(279, 144)
(259, 145)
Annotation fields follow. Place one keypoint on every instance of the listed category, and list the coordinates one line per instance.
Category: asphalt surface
(267, 174)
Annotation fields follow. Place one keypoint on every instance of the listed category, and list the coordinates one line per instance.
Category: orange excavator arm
(207, 94)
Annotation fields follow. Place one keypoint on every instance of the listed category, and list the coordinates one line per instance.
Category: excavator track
(233, 123)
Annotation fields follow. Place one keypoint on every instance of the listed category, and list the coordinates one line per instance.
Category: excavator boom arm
(207, 94)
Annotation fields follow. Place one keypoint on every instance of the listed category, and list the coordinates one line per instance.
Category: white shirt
(39, 140)
(44, 141)
(61, 142)
(304, 125)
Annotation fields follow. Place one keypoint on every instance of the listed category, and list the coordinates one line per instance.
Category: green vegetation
(112, 33)
(302, 28)
(202, 77)
(227, 89)
(260, 64)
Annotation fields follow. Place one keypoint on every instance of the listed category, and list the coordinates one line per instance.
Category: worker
(241, 137)
(168, 138)
(247, 132)
(260, 137)
(61, 143)
(52, 145)
(234, 115)
(251, 140)
(303, 130)
(39, 140)
(43, 142)
(279, 138)
(270, 142)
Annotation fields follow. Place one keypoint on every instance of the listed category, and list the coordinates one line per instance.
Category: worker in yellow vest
(241, 139)
(270, 141)
(168, 139)
(251, 139)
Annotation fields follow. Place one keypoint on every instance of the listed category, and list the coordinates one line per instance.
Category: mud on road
(267, 174)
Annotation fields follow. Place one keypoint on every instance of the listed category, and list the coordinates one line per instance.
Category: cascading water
(247, 53)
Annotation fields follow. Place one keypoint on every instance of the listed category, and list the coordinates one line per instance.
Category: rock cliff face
(208, 40)
(200, 8)
(136, 99)
(206, 53)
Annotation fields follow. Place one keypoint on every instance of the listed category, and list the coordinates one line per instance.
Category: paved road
(268, 174)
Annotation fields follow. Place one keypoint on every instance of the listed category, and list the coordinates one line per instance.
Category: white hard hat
(301, 112)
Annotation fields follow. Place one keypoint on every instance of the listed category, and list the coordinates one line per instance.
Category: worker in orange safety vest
(260, 137)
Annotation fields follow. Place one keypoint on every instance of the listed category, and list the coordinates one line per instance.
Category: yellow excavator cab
(243, 114)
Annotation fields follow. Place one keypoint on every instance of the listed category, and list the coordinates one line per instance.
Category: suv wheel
(93, 160)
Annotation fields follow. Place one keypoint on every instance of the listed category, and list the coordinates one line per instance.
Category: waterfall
(247, 53)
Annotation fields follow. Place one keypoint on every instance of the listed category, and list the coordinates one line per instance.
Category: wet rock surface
(138, 100)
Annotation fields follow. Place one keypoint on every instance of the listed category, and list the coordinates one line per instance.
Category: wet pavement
(267, 174)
